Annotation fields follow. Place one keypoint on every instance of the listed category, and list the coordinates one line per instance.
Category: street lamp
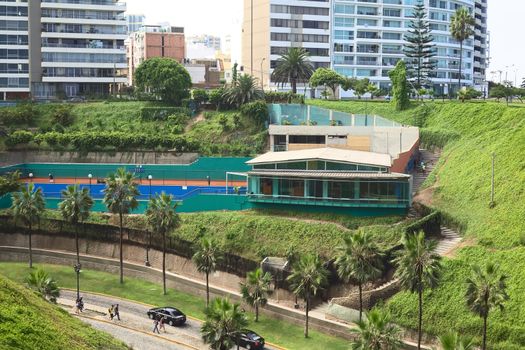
(77, 268)
(442, 91)
(90, 177)
(448, 92)
(150, 178)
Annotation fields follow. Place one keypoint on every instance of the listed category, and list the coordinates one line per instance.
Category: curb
(140, 331)
(150, 306)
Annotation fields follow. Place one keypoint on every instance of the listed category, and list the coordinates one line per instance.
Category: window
(344, 35)
(343, 22)
(391, 36)
(344, 9)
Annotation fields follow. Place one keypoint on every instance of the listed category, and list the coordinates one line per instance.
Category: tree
(328, 78)
(293, 67)
(47, 287)
(162, 219)
(224, 322)
(523, 84)
(75, 209)
(486, 290)
(359, 259)
(398, 76)
(28, 205)
(376, 333)
(206, 258)
(9, 183)
(453, 341)
(164, 77)
(362, 86)
(418, 268)
(461, 28)
(256, 289)
(235, 74)
(419, 48)
(257, 111)
(308, 278)
(200, 96)
(120, 197)
(244, 90)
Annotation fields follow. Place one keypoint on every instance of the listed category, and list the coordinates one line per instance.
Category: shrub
(200, 96)
(256, 111)
(62, 115)
(223, 121)
(179, 118)
(19, 137)
(218, 99)
(437, 138)
(162, 113)
(283, 97)
(21, 114)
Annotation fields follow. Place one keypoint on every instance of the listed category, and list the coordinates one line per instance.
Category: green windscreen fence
(201, 169)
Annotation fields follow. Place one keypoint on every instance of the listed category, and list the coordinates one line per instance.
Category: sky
(223, 17)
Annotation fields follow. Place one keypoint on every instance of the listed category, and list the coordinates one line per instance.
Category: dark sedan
(251, 340)
(173, 316)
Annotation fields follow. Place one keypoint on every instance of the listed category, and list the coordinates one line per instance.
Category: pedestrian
(79, 305)
(115, 311)
(156, 325)
(51, 178)
(162, 323)
(110, 312)
(209, 180)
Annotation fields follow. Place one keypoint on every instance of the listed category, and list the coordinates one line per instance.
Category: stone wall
(18, 157)
(370, 297)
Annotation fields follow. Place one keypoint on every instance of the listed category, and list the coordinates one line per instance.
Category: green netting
(214, 168)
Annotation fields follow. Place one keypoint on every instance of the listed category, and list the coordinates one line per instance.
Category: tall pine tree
(419, 48)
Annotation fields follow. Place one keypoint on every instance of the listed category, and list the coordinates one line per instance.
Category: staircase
(430, 159)
(450, 240)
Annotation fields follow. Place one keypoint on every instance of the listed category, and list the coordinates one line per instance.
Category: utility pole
(492, 203)
(262, 75)
(251, 38)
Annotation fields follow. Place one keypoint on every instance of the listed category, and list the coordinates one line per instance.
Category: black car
(251, 340)
(173, 316)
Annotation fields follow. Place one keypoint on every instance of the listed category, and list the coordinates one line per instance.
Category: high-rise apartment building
(135, 22)
(62, 48)
(271, 27)
(209, 41)
(361, 38)
(154, 41)
(14, 50)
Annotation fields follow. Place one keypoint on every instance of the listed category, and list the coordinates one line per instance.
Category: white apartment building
(14, 50)
(135, 22)
(361, 38)
(271, 27)
(61, 48)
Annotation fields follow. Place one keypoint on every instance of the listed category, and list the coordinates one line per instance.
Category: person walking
(162, 323)
(51, 178)
(156, 325)
(116, 312)
(110, 313)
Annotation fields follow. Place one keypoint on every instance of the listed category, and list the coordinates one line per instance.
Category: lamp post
(442, 91)
(492, 203)
(448, 92)
(150, 178)
(90, 177)
(77, 268)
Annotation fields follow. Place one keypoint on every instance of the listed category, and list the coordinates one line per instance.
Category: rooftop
(329, 174)
(327, 154)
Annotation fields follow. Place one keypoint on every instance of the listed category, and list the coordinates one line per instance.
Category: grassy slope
(28, 322)
(275, 331)
(463, 191)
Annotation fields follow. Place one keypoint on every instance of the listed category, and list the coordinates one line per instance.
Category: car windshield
(252, 336)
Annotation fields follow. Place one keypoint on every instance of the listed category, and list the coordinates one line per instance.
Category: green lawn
(275, 331)
(30, 323)
(462, 190)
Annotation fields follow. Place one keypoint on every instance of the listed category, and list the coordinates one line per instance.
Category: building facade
(14, 50)
(361, 38)
(154, 41)
(58, 49)
(209, 41)
(135, 22)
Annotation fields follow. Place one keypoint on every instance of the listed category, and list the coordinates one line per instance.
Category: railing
(87, 2)
(85, 46)
(76, 16)
(328, 200)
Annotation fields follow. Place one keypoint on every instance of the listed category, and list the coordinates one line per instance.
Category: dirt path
(197, 119)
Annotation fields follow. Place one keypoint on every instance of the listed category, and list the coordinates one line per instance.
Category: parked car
(174, 317)
(251, 340)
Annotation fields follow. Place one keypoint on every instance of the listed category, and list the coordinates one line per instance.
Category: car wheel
(171, 323)
(150, 316)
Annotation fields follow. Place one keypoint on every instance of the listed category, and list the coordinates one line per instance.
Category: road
(135, 328)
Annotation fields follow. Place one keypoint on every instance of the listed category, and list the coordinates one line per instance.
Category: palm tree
(206, 258)
(453, 341)
(40, 281)
(293, 67)
(461, 28)
(75, 209)
(376, 333)
(418, 268)
(244, 90)
(256, 289)
(308, 277)
(120, 197)
(486, 289)
(162, 219)
(224, 322)
(28, 205)
(359, 259)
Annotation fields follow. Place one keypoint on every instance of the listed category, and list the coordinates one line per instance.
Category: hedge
(437, 138)
(19, 137)
(283, 97)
